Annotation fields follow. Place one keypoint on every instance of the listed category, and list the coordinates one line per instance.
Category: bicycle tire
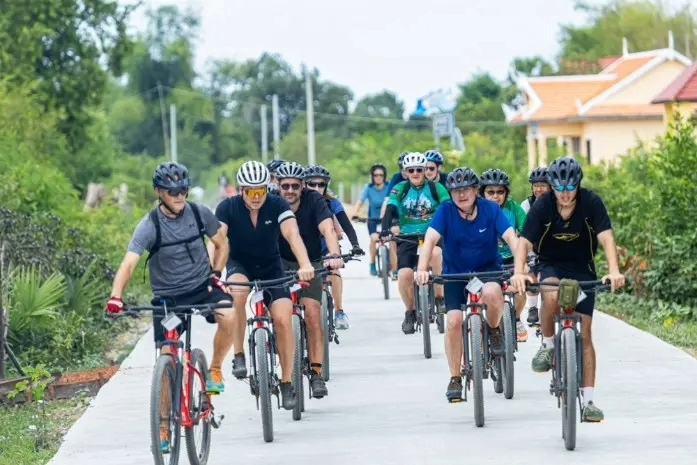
(325, 330)
(261, 355)
(425, 313)
(440, 316)
(384, 272)
(570, 388)
(507, 365)
(198, 449)
(165, 368)
(298, 368)
(477, 354)
(498, 375)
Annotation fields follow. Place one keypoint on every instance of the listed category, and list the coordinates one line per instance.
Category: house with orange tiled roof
(596, 116)
(680, 97)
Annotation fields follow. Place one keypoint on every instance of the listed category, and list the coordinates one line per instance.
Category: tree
(386, 104)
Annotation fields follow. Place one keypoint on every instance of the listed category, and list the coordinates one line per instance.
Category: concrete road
(386, 405)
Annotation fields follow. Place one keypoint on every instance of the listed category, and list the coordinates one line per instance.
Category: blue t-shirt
(396, 179)
(375, 198)
(471, 246)
(335, 206)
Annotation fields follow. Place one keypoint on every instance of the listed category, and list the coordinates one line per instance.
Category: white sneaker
(522, 331)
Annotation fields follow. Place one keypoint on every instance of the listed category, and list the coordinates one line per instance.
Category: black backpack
(158, 234)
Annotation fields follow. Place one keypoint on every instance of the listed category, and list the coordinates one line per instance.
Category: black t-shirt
(312, 211)
(255, 247)
(443, 178)
(570, 244)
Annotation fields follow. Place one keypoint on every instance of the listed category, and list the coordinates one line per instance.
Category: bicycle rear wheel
(163, 412)
(261, 356)
(477, 354)
(440, 316)
(509, 338)
(425, 313)
(384, 271)
(298, 368)
(569, 384)
(198, 437)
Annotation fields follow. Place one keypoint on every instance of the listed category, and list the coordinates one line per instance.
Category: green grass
(31, 434)
(670, 323)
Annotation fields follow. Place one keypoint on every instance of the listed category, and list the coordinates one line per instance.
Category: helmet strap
(470, 213)
(169, 209)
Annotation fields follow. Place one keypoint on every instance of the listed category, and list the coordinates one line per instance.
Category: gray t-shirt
(174, 270)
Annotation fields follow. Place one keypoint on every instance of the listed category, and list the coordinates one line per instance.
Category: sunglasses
(255, 191)
(176, 192)
(415, 170)
(320, 185)
(567, 188)
(378, 175)
(291, 187)
(495, 192)
(431, 168)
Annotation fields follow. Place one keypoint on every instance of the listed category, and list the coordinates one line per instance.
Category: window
(576, 146)
(588, 150)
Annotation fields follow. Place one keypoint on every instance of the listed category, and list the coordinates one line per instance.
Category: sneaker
(341, 320)
(496, 341)
(395, 276)
(317, 385)
(373, 270)
(239, 366)
(542, 361)
(454, 391)
(165, 446)
(409, 323)
(522, 331)
(533, 316)
(591, 413)
(287, 396)
(215, 384)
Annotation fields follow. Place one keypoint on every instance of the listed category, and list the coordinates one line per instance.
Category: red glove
(217, 282)
(114, 306)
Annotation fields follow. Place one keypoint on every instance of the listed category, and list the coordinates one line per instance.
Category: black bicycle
(479, 360)
(178, 396)
(567, 365)
(263, 380)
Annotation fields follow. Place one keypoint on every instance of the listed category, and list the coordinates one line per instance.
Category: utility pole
(264, 135)
(276, 127)
(2, 313)
(309, 110)
(164, 120)
(173, 131)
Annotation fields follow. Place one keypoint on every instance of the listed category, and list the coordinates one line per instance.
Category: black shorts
(270, 272)
(315, 290)
(587, 305)
(407, 253)
(201, 295)
(373, 225)
(456, 294)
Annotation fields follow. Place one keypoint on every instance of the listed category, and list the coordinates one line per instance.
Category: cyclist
(470, 228)
(180, 270)
(496, 186)
(255, 221)
(375, 194)
(315, 221)
(401, 175)
(317, 178)
(414, 202)
(565, 229)
(540, 186)
(434, 167)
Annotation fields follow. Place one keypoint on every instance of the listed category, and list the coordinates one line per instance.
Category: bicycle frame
(299, 311)
(567, 319)
(471, 308)
(261, 321)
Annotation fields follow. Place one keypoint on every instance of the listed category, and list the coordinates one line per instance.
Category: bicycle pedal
(457, 401)
(216, 422)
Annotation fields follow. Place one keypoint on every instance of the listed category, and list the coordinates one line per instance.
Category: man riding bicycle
(255, 221)
(434, 167)
(413, 203)
(180, 269)
(565, 229)
(470, 228)
(315, 222)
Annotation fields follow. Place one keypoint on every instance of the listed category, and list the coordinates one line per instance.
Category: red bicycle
(178, 396)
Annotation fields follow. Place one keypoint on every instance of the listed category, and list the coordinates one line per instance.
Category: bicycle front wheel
(198, 436)
(477, 354)
(425, 313)
(509, 338)
(164, 414)
(569, 384)
(326, 316)
(261, 355)
(298, 368)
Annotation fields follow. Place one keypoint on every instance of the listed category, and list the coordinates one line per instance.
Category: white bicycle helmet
(290, 170)
(414, 160)
(253, 174)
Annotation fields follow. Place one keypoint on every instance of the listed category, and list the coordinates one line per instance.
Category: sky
(409, 47)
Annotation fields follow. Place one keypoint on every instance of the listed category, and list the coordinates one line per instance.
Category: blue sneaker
(341, 320)
(165, 446)
(373, 270)
(215, 383)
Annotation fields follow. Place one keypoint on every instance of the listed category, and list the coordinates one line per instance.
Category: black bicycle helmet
(290, 169)
(273, 165)
(317, 171)
(171, 176)
(434, 156)
(565, 172)
(461, 178)
(538, 175)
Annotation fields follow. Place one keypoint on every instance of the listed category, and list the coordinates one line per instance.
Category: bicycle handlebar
(265, 283)
(456, 277)
(595, 285)
(197, 309)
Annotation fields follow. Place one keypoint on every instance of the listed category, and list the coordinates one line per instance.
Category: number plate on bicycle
(171, 321)
(295, 287)
(581, 296)
(475, 285)
(257, 297)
